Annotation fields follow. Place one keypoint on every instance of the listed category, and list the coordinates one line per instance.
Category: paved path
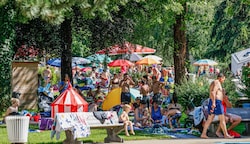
(192, 141)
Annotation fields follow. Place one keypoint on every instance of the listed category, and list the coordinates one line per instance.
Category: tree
(231, 29)
(60, 12)
(7, 21)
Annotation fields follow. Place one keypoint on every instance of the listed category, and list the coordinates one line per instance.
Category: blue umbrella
(54, 62)
(75, 60)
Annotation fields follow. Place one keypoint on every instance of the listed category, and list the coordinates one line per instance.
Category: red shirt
(224, 104)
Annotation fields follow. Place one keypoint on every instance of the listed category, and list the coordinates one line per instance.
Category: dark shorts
(147, 99)
(157, 97)
(126, 97)
(218, 110)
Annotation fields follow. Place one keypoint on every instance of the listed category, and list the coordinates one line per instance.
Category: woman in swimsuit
(114, 82)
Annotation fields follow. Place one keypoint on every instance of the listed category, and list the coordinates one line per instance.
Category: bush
(195, 92)
(190, 92)
(246, 80)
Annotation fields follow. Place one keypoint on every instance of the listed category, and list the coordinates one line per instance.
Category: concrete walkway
(192, 141)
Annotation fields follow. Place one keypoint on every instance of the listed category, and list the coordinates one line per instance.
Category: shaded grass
(97, 135)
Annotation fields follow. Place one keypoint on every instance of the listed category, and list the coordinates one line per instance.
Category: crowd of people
(157, 106)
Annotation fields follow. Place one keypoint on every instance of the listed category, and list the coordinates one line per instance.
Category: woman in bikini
(114, 82)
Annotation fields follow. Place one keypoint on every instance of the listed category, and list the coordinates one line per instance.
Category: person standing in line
(47, 74)
(156, 88)
(145, 93)
(215, 106)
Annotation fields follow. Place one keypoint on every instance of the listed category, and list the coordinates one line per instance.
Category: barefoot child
(125, 119)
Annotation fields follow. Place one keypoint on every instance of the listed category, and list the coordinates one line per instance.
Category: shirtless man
(125, 85)
(215, 106)
(156, 88)
(145, 93)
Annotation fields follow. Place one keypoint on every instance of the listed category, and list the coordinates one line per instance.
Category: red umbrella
(126, 48)
(119, 63)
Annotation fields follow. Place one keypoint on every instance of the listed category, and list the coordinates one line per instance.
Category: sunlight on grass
(97, 135)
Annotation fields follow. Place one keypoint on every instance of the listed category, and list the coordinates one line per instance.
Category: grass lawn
(97, 135)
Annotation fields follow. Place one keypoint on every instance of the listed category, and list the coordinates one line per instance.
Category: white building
(238, 59)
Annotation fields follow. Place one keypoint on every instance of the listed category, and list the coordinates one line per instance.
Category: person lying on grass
(124, 118)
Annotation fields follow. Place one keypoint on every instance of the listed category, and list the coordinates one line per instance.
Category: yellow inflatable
(113, 98)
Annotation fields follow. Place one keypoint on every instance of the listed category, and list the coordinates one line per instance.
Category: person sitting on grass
(156, 112)
(13, 109)
(173, 115)
(124, 118)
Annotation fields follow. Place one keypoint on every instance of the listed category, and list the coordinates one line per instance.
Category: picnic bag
(45, 124)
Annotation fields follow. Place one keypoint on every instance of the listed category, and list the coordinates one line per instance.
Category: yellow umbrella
(113, 98)
(147, 61)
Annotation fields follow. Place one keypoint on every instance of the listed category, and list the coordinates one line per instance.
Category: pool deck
(245, 140)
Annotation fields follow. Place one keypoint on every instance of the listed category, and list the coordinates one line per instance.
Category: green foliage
(6, 53)
(54, 79)
(199, 21)
(96, 136)
(231, 29)
(246, 80)
(41, 35)
(230, 88)
(195, 92)
(192, 92)
(80, 43)
(137, 77)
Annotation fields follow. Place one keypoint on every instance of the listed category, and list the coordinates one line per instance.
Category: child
(125, 119)
(165, 117)
(173, 114)
(147, 120)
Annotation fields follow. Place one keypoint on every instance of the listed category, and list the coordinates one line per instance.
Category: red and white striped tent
(68, 101)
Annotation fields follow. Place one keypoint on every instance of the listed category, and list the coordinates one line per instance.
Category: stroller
(197, 116)
(45, 98)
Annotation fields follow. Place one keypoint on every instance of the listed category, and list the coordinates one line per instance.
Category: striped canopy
(68, 101)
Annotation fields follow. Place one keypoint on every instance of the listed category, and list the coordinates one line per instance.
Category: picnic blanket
(174, 133)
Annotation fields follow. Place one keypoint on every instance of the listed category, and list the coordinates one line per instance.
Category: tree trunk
(66, 55)
(180, 45)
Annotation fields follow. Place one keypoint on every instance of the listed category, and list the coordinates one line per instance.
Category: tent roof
(69, 97)
(242, 56)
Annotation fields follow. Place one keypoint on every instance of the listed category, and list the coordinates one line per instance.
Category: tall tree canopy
(231, 31)
(61, 12)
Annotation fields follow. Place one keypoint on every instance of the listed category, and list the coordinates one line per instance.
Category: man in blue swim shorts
(215, 106)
